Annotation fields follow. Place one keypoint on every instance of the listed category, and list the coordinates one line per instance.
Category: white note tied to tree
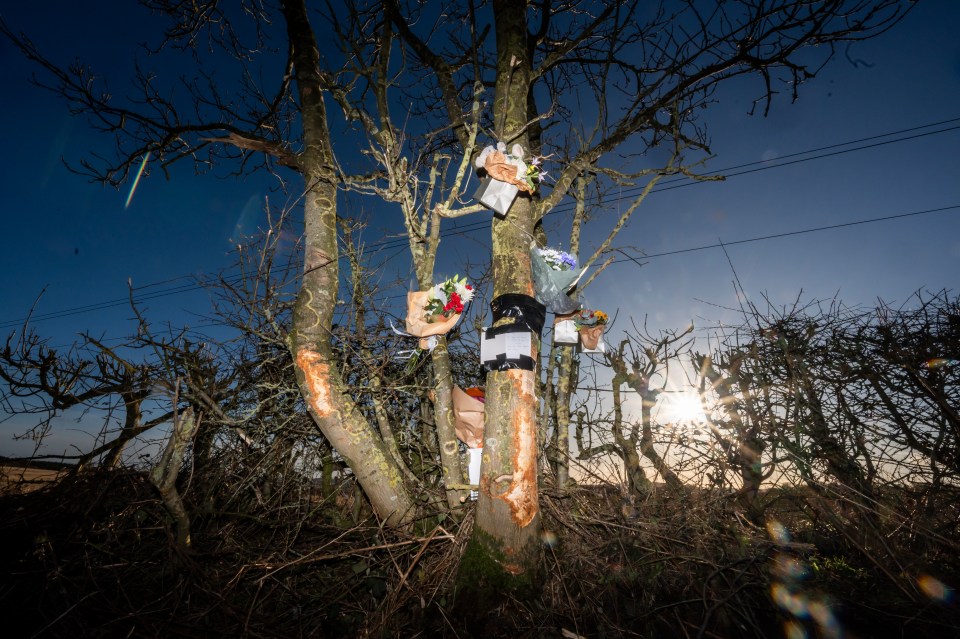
(490, 346)
(517, 344)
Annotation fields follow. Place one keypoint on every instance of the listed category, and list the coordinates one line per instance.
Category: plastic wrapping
(504, 167)
(468, 413)
(496, 195)
(551, 285)
(419, 324)
(508, 344)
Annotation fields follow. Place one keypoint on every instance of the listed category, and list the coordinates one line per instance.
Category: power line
(732, 171)
(816, 229)
(774, 236)
(760, 238)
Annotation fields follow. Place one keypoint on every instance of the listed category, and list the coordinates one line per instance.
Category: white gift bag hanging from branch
(506, 175)
(437, 311)
(495, 195)
(565, 330)
(555, 272)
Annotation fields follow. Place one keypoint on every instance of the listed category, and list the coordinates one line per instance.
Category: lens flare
(549, 538)
(935, 589)
(793, 630)
(136, 180)
(794, 603)
(823, 615)
(940, 362)
(778, 532)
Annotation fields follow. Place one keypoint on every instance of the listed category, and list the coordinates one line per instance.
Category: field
(22, 479)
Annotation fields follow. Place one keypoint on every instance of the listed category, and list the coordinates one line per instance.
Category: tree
(640, 362)
(608, 90)
(630, 80)
(743, 422)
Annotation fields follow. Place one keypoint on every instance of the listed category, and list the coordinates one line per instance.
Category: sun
(682, 407)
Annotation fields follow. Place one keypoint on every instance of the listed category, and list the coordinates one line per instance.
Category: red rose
(454, 304)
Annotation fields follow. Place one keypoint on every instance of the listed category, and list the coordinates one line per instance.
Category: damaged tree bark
(311, 340)
(503, 552)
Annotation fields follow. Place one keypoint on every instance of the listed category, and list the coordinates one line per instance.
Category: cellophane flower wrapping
(554, 273)
(422, 323)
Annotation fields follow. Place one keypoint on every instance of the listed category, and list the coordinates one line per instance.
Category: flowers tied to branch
(511, 167)
(587, 318)
(558, 260)
(448, 298)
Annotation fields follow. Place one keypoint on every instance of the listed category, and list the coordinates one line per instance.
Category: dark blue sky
(77, 239)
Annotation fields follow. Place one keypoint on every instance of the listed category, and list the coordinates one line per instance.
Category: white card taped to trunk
(501, 350)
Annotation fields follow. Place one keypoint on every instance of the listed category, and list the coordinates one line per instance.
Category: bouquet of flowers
(468, 411)
(448, 298)
(558, 260)
(591, 325)
(588, 318)
(507, 174)
(534, 176)
(554, 273)
(436, 311)
(468, 415)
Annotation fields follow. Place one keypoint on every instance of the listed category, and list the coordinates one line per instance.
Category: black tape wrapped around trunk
(525, 311)
(528, 317)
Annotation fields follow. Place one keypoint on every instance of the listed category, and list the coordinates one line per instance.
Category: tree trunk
(503, 553)
(132, 403)
(377, 472)
(565, 383)
(164, 474)
(443, 417)
(637, 483)
(649, 451)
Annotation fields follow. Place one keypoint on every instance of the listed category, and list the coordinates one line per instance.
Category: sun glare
(681, 408)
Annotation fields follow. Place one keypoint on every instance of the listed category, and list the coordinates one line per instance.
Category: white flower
(466, 294)
(437, 293)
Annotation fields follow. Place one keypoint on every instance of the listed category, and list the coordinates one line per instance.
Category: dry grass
(23, 479)
(94, 556)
